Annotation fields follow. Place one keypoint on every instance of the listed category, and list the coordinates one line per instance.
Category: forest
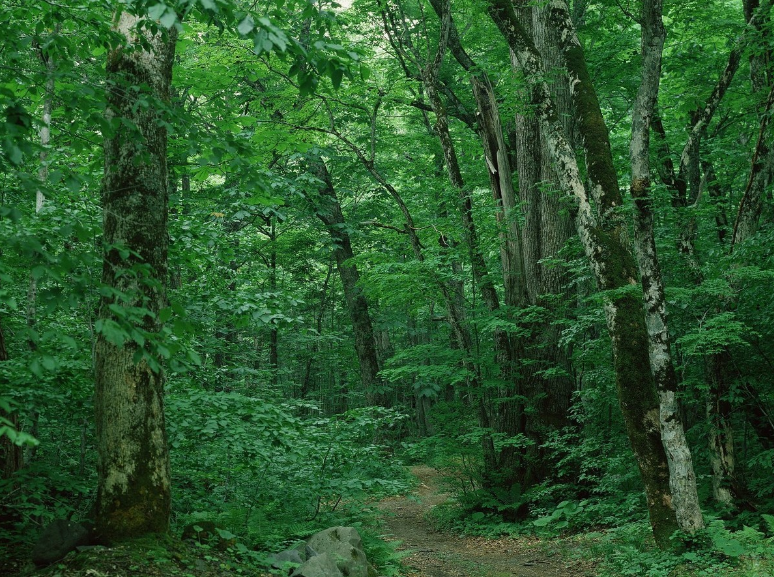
(268, 266)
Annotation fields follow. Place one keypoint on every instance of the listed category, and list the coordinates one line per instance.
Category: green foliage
(561, 517)
(715, 550)
(266, 474)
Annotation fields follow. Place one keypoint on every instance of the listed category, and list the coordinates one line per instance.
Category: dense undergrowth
(265, 473)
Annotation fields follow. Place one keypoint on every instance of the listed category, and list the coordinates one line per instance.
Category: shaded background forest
(341, 297)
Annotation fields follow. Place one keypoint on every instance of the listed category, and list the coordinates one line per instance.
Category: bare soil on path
(430, 553)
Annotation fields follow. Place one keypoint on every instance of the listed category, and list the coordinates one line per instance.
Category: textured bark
(604, 241)
(328, 210)
(498, 167)
(547, 227)
(133, 496)
(682, 478)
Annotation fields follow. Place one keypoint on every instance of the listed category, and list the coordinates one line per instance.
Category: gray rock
(281, 559)
(57, 540)
(322, 565)
(304, 550)
(345, 546)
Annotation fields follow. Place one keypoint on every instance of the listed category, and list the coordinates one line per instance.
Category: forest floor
(430, 553)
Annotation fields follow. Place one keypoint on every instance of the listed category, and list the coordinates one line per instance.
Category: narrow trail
(434, 554)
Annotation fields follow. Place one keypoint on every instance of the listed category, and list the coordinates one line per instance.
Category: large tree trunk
(547, 227)
(604, 241)
(328, 210)
(133, 496)
(682, 478)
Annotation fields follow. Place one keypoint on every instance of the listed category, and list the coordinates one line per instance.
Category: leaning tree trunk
(682, 478)
(133, 494)
(603, 237)
(503, 415)
(328, 210)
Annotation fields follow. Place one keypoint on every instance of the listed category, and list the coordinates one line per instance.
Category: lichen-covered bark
(604, 241)
(133, 495)
(328, 210)
(682, 478)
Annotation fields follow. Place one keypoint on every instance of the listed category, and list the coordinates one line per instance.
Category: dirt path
(434, 554)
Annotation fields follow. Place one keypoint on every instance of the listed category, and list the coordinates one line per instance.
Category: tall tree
(682, 478)
(547, 227)
(328, 210)
(133, 494)
(602, 232)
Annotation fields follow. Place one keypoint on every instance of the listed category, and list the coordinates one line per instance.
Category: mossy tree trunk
(602, 232)
(133, 496)
(682, 477)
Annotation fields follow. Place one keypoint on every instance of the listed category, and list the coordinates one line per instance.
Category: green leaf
(246, 25)
(336, 76)
(169, 19)
(49, 362)
(36, 369)
(15, 154)
(154, 12)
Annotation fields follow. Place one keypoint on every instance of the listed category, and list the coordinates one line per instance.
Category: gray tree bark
(133, 493)
(682, 478)
(547, 227)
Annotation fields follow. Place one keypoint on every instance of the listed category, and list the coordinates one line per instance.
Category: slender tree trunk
(311, 366)
(604, 241)
(501, 468)
(273, 329)
(40, 198)
(725, 484)
(682, 478)
(133, 494)
(328, 210)
(498, 168)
